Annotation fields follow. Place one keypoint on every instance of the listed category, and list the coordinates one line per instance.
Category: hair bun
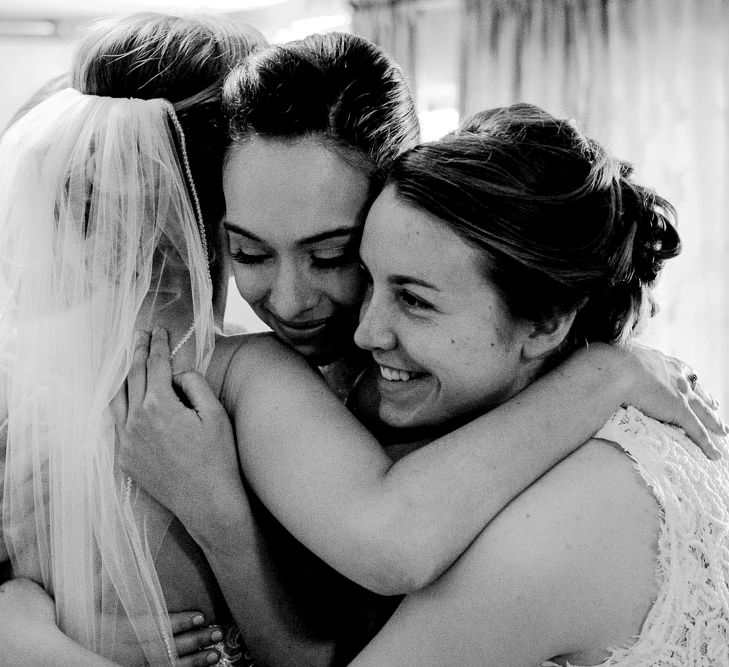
(656, 238)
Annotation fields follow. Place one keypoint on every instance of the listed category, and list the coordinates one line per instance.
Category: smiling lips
(301, 331)
(397, 374)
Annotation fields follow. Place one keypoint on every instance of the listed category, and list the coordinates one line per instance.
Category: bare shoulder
(250, 362)
(579, 547)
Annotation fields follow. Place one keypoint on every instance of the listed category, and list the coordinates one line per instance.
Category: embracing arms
(567, 569)
(391, 527)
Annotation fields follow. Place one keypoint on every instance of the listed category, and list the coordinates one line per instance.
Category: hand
(178, 454)
(660, 388)
(191, 637)
(23, 602)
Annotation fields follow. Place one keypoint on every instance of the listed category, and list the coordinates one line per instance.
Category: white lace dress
(688, 624)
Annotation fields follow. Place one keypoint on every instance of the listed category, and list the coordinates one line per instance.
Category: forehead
(401, 239)
(281, 191)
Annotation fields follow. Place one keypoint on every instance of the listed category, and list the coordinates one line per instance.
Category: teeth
(395, 374)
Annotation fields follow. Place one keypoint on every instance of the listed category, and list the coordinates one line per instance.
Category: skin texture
(31, 636)
(429, 312)
(570, 562)
(294, 216)
(393, 527)
(565, 571)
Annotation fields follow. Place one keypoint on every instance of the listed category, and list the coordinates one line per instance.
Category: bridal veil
(100, 235)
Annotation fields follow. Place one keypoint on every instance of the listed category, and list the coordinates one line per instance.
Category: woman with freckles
(313, 124)
(485, 273)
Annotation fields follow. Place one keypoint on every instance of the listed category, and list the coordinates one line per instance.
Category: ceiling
(62, 8)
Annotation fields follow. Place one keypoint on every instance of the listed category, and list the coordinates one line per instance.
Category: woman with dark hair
(617, 556)
(313, 124)
(455, 335)
(402, 524)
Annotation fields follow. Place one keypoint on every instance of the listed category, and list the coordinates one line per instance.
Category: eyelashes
(246, 258)
(344, 259)
(412, 301)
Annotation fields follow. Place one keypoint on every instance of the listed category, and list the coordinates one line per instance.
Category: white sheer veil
(101, 234)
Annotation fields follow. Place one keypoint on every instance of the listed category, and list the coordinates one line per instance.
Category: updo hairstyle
(183, 60)
(561, 224)
(337, 86)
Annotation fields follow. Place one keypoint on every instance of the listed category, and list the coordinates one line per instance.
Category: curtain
(392, 25)
(650, 78)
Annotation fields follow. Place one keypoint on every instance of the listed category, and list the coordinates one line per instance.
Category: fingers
(190, 636)
(197, 392)
(137, 378)
(706, 396)
(193, 640)
(199, 659)
(707, 414)
(186, 620)
(191, 644)
(697, 432)
(159, 370)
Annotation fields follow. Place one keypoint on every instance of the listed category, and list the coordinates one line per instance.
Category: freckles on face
(294, 216)
(436, 326)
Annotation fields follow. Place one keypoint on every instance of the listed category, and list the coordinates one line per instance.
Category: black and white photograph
(383, 333)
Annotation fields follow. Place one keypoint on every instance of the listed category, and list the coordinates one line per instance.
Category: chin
(403, 419)
(421, 424)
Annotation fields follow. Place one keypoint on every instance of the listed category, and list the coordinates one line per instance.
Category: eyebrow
(309, 240)
(410, 280)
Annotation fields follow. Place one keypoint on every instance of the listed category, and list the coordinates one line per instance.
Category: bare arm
(392, 528)
(567, 569)
(29, 632)
(30, 636)
(270, 623)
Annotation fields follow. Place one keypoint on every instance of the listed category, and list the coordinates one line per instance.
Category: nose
(375, 330)
(291, 294)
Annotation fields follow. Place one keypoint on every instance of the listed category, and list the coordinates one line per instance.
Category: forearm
(451, 489)
(269, 623)
(60, 652)
(29, 634)
(394, 528)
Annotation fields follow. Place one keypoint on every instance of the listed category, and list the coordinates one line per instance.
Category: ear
(546, 337)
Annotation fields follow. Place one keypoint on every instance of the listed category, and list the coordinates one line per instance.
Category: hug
(448, 449)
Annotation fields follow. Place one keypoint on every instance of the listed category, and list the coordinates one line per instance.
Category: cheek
(345, 287)
(253, 283)
(463, 365)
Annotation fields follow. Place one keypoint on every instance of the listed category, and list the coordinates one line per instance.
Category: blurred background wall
(648, 77)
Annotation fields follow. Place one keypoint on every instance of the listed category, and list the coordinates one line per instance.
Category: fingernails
(216, 636)
(198, 619)
(212, 658)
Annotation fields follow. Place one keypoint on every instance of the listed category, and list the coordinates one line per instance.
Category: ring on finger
(692, 380)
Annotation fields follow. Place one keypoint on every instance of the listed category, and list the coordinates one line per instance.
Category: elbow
(400, 569)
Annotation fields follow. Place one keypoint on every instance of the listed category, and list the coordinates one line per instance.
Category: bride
(115, 240)
(103, 231)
